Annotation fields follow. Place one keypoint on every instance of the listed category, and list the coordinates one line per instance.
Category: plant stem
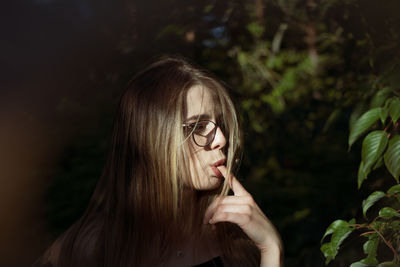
(387, 126)
(366, 233)
(386, 242)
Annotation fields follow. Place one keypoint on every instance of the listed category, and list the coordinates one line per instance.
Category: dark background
(298, 69)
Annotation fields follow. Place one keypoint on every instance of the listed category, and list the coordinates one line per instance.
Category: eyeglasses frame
(214, 131)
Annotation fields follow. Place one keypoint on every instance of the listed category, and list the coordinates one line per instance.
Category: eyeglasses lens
(204, 133)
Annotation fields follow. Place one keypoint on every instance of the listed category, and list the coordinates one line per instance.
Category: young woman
(163, 197)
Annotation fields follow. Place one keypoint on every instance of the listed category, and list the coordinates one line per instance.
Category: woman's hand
(243, 211)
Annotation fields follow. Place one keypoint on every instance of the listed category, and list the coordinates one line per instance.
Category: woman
(162, 199)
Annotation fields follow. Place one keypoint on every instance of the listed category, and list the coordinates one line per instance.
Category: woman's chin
(212, 184)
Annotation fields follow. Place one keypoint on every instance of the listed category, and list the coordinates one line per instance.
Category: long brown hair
(134, 217)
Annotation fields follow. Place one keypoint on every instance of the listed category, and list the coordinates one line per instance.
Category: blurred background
(298, 69)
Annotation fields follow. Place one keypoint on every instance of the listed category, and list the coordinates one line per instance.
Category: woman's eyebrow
(203, 116)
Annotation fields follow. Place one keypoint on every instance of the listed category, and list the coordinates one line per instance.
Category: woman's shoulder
(50, 256)
(78, 245)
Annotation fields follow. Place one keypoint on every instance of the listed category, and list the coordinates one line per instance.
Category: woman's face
(203, 160)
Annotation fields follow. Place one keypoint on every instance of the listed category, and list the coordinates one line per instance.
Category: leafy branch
(379, 148)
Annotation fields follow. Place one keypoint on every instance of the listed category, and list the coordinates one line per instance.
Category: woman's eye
(200, 128)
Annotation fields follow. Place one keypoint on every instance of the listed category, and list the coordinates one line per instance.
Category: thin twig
(387, 126)
(386, 242)
(366, 233)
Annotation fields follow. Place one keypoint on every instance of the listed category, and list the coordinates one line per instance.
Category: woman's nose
(219, 140)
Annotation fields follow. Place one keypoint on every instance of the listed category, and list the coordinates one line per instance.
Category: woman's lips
(215, 169)
(216, 172)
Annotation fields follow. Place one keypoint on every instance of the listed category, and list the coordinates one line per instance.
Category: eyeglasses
(203, 132)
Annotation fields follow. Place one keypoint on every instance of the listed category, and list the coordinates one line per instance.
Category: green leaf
(329, 252)
(363, 124)
(333, 227)
(370, 248)
(392, 157)
(373, 146)
(394, 227)
(388, 212)
(376, 224)
(340, 230)
(362, 175)
(387, 264)
(256, 29)
(379, 98)
(383, 115)
(356, 114)
(394, 109)
(331, 119)
(242, 58)
(378, 163)
(394, 189)
(371, 200)
(359, 264)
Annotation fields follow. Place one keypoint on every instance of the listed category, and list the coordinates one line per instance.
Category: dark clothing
(216, 262)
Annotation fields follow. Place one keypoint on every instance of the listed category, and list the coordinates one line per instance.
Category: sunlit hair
(136, 215)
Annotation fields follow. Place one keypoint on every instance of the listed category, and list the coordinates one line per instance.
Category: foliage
(378, 147)
(323, 53)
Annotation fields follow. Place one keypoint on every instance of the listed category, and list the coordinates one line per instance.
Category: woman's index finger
(236, 186)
